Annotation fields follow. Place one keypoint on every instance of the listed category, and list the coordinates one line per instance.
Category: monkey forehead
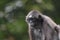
(33, 13)
(30, 16)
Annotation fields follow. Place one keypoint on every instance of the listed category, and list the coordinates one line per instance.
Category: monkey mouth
(32, 23)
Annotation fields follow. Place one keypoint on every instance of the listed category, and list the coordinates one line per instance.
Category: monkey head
(34, 18)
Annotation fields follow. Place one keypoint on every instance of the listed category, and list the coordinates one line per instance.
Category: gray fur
(42, 27)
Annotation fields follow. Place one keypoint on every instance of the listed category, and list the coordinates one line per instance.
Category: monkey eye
(31, 20)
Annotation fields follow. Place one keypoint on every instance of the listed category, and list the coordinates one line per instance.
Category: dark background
(13, 13)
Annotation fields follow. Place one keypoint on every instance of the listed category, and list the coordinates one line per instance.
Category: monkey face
(34, 21)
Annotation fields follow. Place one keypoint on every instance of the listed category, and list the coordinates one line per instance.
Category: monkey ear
(39, 16)
(41, 20)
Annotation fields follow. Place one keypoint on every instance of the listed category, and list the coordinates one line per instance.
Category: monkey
(33, 21)
(41, 27)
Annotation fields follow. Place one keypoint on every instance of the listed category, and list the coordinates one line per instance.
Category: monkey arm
(49, 21)
(31, 34)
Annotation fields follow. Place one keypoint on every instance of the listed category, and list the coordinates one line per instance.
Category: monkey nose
(30, 21)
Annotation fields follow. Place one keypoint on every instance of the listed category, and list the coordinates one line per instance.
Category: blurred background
(13, 13)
